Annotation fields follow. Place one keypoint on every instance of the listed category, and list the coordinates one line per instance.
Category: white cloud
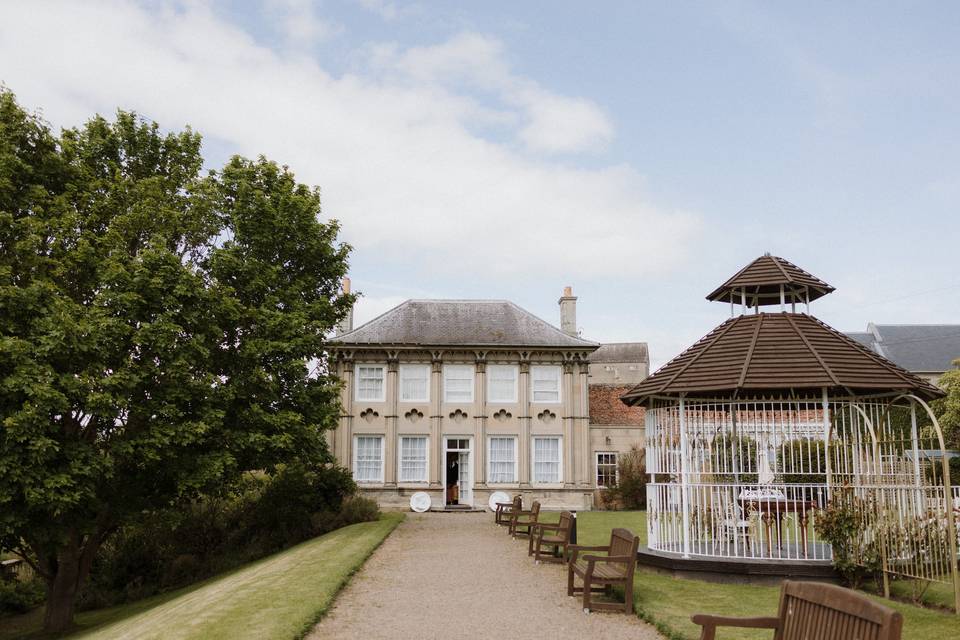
(551, 123)
(299, 22)
(367, 308)
(394, 148)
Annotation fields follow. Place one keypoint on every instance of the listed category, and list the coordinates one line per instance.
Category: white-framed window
(606, 469)
(502, 460)
(370, 382)
(545, 383)
(458, 383)
(368, 459)
(414, 383)
(502, 383)
(413, 458)
(547, 460)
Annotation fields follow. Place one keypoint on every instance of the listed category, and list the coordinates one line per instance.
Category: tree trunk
(62, 589)
(71, 568)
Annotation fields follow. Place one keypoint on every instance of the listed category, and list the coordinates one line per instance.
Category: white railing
(762, 522)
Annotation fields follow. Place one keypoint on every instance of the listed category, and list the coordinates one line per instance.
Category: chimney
(568, 312)
(346, 325)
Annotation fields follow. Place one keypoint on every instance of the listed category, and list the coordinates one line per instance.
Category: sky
(640, 152)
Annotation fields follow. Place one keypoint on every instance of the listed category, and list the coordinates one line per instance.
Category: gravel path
(458, 575)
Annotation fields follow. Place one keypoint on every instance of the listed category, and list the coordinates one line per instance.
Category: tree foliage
(156, 327)
(630, 491)
(948, 409)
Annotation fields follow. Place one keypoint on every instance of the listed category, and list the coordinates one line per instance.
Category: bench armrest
(575, 549)
(546, 525)
(709, 621)
(621, 559)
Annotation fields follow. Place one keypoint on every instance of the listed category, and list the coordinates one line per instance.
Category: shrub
(630, 491)
(856, 555)
(955, 471)
(802, 461)
(731, 454)
(20, 596)
(358, 509)
(192, 540)
(286, 512)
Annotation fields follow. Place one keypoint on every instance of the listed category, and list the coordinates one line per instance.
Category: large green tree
(161, 330)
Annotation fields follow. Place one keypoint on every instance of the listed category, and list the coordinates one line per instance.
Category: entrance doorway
(458, 472)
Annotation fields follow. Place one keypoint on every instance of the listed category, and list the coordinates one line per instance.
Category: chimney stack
(568, 312)
(346, 325)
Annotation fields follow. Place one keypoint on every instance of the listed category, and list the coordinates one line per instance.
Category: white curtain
(413, 383)
(370, 383)
(413, 459)
(502, 382)
(369, 459)
(546, 383)
(502, 460)
(458, 383)
(546, 460)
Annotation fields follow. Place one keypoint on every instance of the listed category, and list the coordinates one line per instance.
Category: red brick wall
(606, 408)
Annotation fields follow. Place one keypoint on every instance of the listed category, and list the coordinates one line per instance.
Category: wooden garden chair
(524, 520)
(502, 514)
(553, 537)
(816, 611)
(600, 573)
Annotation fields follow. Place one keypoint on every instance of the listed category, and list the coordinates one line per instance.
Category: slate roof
(621, 352)
(474, 323)
(762, 279)
(929, 348)
(770, 352)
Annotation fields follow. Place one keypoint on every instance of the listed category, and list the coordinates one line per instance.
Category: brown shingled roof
(763, 278)
(770, 352)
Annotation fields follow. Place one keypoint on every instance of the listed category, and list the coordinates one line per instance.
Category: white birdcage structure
(763, 422)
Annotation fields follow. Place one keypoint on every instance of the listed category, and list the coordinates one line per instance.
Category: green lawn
(668, 602)
(280, 596)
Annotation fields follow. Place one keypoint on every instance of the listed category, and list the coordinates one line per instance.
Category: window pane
(458, 383)
(502, 460)
(413, 459)
(369, 459)
(546, 460)
(545, 383)
(414, 383)
(606, 469)
(370, 383)
(502, 383)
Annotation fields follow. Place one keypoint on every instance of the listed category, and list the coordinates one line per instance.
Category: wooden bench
(552, 536)
(600, 573)
(817, 611)
(502, 514)
(524, 520)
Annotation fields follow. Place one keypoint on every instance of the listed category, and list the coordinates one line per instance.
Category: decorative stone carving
(369, 415)
(546, 416)
(458, 416)
(414, 415)
(502, 416)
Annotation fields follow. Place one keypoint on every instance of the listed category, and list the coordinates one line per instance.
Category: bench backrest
(517, 502)
(535, 510)
(566, 524)
(815, 611)
(624, 543)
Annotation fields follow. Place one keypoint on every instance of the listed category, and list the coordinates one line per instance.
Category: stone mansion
(461, 398)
